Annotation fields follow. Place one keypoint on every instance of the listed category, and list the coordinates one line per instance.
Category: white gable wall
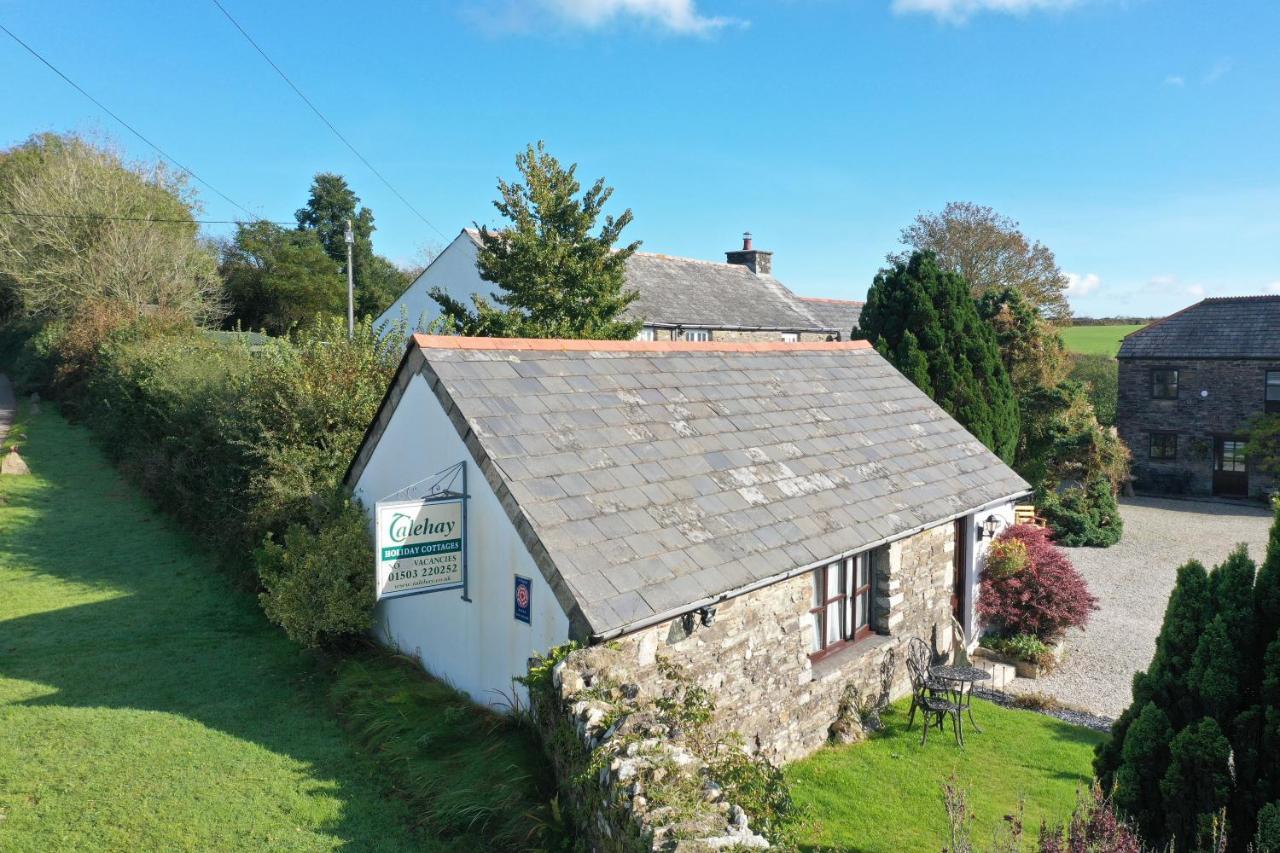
(453, 271)
(977, 551)
(479, 646)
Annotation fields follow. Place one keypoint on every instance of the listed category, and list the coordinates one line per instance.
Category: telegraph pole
(351, 286)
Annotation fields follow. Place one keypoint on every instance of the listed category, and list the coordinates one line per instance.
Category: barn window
(1164, 445)
(1164, 384)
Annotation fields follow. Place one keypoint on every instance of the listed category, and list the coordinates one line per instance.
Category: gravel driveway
(1132, 581)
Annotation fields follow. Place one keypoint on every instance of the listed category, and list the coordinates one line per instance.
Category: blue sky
(1139, 139)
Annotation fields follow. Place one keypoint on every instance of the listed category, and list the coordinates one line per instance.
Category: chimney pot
(758, 261)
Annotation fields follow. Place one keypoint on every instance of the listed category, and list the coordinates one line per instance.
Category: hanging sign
(524, 593)
(421, 546)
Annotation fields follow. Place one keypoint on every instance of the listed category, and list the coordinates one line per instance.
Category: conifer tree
(1146, 760)
(1197, 785)
(1215, 678)
(555, 277)
(924, 321)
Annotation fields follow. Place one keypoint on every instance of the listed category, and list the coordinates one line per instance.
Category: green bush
(1026, 647)
(317, 579)
(1081, 516)
(1100, 375)
(1006, 557)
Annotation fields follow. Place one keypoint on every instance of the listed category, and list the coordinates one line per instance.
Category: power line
(322, 117)
(126, 124)
(157, 219)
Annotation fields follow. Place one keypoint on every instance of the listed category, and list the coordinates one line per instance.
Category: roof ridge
(458, 342)
(831, 299)
(475, 232)
(1262, 297)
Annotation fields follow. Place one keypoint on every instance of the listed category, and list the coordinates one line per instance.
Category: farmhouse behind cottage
(678, 298)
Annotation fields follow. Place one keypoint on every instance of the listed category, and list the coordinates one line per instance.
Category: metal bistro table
(964, 678)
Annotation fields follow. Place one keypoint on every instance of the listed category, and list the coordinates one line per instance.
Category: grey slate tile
(676, 473)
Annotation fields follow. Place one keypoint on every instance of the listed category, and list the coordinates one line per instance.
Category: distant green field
(1096, 340)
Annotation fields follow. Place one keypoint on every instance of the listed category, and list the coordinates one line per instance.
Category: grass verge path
(886, 794)
(145, 703)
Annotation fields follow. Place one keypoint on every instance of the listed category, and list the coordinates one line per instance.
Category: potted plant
(1029, 596)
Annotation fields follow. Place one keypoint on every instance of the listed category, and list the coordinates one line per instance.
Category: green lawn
(145, 703)
(1095, 340)
(886, 794)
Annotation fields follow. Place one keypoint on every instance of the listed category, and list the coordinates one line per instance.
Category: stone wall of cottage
(1235, 396)
(755, 655)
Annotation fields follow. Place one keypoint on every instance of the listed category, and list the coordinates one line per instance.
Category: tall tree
(1076, 465)
(278, 278)
(924, 321)
(989, 250)
(557, 276)
(106, 231)
(330, 204)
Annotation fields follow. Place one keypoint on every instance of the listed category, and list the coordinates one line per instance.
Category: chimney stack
(758, 261)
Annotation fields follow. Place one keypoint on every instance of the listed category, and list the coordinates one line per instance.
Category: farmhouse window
(1164, 445)
(646, 334)
(1273, 391)
(697, 334)
(1164, 384)
(842, 603)
(790, 337)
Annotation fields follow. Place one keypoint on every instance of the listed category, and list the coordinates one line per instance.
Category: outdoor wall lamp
(989, 527)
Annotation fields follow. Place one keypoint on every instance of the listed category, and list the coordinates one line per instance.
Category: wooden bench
(1026, 514)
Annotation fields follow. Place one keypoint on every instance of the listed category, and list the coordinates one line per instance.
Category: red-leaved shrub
(1043, 599)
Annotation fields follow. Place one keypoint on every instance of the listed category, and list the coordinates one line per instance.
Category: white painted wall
(479, 646)
(978, 557)
(453, 271)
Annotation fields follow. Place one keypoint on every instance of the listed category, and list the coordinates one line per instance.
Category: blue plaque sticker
(524, 593)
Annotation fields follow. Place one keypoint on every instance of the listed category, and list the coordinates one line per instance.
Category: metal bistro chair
(932, 698)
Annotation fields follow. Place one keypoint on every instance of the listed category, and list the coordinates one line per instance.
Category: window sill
(825, 664)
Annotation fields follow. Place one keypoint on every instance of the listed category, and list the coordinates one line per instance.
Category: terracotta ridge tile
(552, 344)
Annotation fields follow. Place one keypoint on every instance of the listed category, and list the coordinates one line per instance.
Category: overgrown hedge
(244, 442)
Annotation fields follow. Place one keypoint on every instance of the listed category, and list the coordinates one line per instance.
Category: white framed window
(648, 333)
(697, 334)
(791, 337)
(842, 604)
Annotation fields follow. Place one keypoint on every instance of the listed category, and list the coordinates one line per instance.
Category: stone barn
(1190, 386)
(772, 516)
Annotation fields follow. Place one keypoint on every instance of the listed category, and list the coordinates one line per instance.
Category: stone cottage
(1190, 384)
(678, 298)
(773, 516)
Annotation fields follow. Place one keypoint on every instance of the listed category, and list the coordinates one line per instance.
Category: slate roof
(844, 314)
(1220, 327)
(677, 291)
(650, 478)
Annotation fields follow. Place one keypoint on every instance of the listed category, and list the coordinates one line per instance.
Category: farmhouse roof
(1220, 327)
(676, 291)
(651, 478)
(844, 314)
